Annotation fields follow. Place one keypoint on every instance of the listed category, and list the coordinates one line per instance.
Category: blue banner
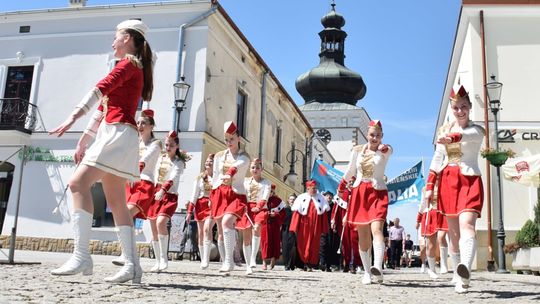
(406, 187)
(326, 176)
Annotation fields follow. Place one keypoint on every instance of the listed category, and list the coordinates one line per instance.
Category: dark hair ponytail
(144, 53)
(177, 152)
(153, 124)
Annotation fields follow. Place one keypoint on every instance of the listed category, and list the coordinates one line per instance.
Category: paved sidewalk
(184, 281)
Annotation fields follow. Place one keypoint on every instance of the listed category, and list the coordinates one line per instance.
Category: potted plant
(495, 157)
(527, 238)
(535, 250)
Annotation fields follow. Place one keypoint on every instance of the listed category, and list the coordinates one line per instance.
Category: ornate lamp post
(181, 90)
(494, 89)
(292, 159)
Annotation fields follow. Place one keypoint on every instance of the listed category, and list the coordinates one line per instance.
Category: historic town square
(242, 151)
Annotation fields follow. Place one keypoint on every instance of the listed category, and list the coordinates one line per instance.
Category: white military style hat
(133, 24)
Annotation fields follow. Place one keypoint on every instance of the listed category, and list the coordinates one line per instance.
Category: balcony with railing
(17, 114)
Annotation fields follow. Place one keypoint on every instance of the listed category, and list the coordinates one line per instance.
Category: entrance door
(6, 179)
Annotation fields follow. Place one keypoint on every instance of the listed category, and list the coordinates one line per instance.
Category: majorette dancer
(200, 204)
(460, 192)
(368, 205)
(172, 165)
(426, 222)
(348, 235)
(140, 194)
(228, 197)
(258, 192)
(112, 157)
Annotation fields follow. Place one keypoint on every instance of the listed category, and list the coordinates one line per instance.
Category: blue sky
(401, 48)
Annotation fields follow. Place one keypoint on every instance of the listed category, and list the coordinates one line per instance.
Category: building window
(277, 159)
(241, 110)
(14, 107)
(19, 82)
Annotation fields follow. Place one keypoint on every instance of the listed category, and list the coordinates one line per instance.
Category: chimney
(77, 3)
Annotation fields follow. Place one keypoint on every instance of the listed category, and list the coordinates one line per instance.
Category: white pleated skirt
(115, 150)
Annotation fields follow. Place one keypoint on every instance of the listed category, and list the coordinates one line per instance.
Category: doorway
(6, 179)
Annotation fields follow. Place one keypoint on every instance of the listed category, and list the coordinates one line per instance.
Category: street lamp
(181, 90)
(494, 89)
(292, 159)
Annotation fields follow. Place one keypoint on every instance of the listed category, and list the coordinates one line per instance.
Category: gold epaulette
(358, 148)
(160, 144)
(219, 154)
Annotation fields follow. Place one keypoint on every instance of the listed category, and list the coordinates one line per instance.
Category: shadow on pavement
(198, 287)
(240, 273)
(508, 294)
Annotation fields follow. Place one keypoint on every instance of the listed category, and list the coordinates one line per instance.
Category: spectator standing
(397, 235)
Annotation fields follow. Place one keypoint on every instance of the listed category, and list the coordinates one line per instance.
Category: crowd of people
(347, 231)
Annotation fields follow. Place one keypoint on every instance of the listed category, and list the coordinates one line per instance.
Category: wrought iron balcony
(17, 114)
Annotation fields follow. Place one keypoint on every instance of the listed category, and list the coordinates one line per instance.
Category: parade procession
(150, 154)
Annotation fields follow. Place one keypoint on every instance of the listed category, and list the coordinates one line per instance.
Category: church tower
(331, 91)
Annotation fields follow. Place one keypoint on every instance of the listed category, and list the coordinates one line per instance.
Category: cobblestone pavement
(184, 281)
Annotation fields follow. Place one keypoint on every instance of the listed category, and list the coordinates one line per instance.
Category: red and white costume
(113, 148)
(460, 188)
(228, 194)
(200, 199)
(369, 197)
(428, 219)
(309, 221)
(170, 172)
(271, 229)
(349, 246)
(114, 152)
(141, 193)
(229, 198)
(455, 165)
(257, 196)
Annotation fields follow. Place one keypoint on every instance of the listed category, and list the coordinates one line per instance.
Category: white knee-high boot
(80, 260)
(431, 269)
(444, 256)
(247, 257)
(205, 257)
(467, 249)
(157, 254)
(376, 269)
(164, 256)
(456, 259)
(131, 269)
(229, 240)
(366, 262)
(221, 250)
(256, 243)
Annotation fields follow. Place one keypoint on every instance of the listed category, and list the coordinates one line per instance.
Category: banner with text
(406, 187)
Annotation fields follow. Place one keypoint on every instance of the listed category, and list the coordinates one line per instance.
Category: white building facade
(51, 58)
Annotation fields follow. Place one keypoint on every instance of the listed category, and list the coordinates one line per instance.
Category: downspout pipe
(263, 114)
(491, 261)
(181, 30)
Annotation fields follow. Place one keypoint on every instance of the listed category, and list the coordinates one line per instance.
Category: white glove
(159, 195)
